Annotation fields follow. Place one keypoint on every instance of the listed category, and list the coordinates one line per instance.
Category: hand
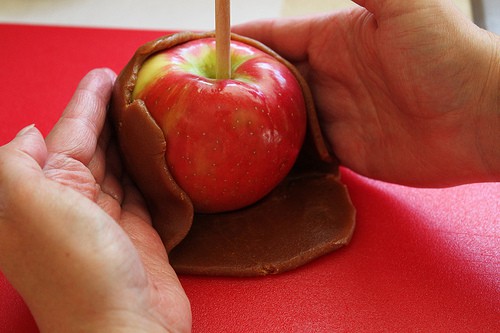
(75, 236)
(407, 91)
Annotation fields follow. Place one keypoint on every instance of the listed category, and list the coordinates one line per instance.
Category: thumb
(21, 162)
(27, 149)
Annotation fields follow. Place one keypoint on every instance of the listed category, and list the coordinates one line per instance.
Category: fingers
(21, 163)
(171, 299)
(133, 202)
(28, 141)
(107, 170)
(288, 37)
(77, 131)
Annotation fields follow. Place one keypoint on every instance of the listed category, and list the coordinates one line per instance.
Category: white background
(160, 14)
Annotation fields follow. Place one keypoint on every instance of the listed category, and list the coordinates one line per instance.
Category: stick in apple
(222, 39)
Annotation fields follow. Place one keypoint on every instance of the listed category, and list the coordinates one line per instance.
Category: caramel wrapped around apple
(235, 172)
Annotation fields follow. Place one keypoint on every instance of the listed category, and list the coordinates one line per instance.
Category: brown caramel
(308, 215)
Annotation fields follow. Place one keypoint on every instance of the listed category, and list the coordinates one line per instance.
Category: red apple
(231, 141)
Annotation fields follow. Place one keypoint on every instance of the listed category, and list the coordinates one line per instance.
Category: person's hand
(407, 91)
(75, 236)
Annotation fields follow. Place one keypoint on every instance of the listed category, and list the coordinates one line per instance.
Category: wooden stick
(222, 39)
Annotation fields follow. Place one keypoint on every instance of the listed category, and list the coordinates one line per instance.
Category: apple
(229, 141)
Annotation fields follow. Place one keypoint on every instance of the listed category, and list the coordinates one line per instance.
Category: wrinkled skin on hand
(406, 91)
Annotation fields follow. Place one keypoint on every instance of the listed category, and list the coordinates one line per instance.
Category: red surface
(421, 260)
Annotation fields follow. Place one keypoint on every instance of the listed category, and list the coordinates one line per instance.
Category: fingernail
(25, 130)
(110, 72)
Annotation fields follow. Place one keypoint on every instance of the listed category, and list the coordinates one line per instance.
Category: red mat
(421, 260)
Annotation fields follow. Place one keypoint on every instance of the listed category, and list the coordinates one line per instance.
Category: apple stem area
(223, 39)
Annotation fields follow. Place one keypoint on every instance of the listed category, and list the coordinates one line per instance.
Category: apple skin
(229, 142)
